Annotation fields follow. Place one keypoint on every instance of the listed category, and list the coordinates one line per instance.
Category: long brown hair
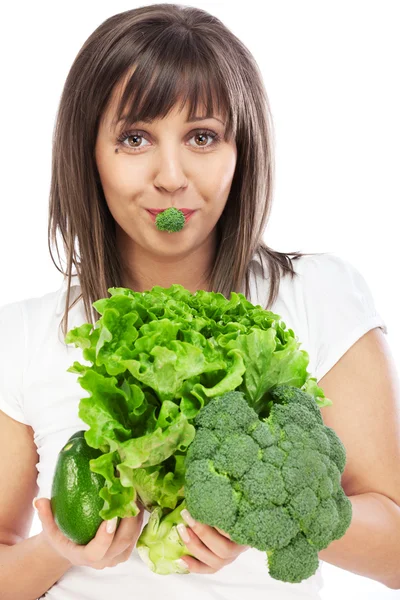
(178, 52)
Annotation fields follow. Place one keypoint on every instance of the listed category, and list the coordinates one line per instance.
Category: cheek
(220, 173)
(120, 180)
(116, 175)
(219, 182)
(121, 188)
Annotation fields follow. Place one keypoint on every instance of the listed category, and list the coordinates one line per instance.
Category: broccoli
(273, 484)
(170, 220)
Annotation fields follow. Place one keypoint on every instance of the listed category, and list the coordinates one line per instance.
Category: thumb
(45, 513)
(40, 504)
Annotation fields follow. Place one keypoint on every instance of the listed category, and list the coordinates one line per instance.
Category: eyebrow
(194, 119)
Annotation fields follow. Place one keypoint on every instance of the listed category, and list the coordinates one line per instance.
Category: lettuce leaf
(155, 359)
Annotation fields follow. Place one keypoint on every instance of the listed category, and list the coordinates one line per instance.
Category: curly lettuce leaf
(155, 359)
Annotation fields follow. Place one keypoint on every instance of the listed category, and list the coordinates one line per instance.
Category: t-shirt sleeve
(12, 356)
(340, 308)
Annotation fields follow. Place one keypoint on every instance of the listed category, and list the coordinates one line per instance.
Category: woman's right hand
(104, 550)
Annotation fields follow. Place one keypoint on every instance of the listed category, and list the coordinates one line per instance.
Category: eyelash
(124, 135)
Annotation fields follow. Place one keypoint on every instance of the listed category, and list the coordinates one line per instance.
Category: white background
(331, 71)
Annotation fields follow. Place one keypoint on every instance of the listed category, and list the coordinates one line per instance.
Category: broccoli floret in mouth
(170, 220)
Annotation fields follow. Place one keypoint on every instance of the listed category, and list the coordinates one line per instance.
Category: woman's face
(157, 165)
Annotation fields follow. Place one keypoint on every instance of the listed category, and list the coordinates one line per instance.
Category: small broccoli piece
(204, 485)
(170, 220)
(288, 562)
(273, 484)
(290, 395)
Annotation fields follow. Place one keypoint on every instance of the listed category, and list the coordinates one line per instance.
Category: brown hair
(179, 52)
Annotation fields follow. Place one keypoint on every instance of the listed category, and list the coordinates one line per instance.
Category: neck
(143, 270)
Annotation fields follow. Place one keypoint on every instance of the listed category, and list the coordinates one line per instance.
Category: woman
(164, 106)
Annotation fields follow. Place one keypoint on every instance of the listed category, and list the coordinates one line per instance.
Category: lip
(188, 213)
(155, 211)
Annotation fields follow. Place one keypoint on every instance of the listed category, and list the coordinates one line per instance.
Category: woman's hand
(211, 547)
(104, 550)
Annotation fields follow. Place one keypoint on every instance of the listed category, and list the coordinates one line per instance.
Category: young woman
(164, 106)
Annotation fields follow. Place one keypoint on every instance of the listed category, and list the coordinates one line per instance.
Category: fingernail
(183, 532)
(34, 504)
(111, 525)
(182, 565)
(186, 516)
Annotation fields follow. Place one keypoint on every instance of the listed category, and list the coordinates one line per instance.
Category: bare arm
(371, 546)
(29, 568)
(365, 390)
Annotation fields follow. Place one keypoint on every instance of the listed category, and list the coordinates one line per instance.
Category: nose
(170, 175)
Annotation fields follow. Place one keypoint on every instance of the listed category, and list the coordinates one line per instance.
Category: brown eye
(134, 137)
(202, 135)
(137, 136)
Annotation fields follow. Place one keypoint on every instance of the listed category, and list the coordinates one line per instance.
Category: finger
(121, 557)
(223, 533)
(96, 549)
(127, 552)
(196, 566)
(127, 534)
(241, 548)
(198, 549)
(49, 526)
(217, 543)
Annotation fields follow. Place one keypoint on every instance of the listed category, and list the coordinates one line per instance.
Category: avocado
(75, 499)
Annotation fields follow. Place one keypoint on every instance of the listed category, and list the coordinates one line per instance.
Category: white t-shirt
(329, 306)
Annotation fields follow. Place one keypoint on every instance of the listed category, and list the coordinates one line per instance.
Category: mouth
(187, 213)
(155, 211)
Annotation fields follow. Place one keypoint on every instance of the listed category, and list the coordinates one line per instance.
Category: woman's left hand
(211, 547)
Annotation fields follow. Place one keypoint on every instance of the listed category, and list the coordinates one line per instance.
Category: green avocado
(75, 499)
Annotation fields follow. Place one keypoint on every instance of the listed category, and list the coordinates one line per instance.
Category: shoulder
(309, 268)
(331, 281)
(323, 267)
(38, 310)
(319, 275)
(12, 324)
(45, 302)
(9, 311)
(20, 319)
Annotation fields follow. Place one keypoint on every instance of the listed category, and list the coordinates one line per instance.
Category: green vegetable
(170, 220)
(153, 360)
(75, 494)
(273, 484)
(160, 545)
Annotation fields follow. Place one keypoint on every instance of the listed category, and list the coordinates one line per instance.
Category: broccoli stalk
(170, 220)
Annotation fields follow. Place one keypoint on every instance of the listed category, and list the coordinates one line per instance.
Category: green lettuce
(155, 359)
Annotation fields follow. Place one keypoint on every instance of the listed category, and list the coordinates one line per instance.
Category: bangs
(158, 84)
